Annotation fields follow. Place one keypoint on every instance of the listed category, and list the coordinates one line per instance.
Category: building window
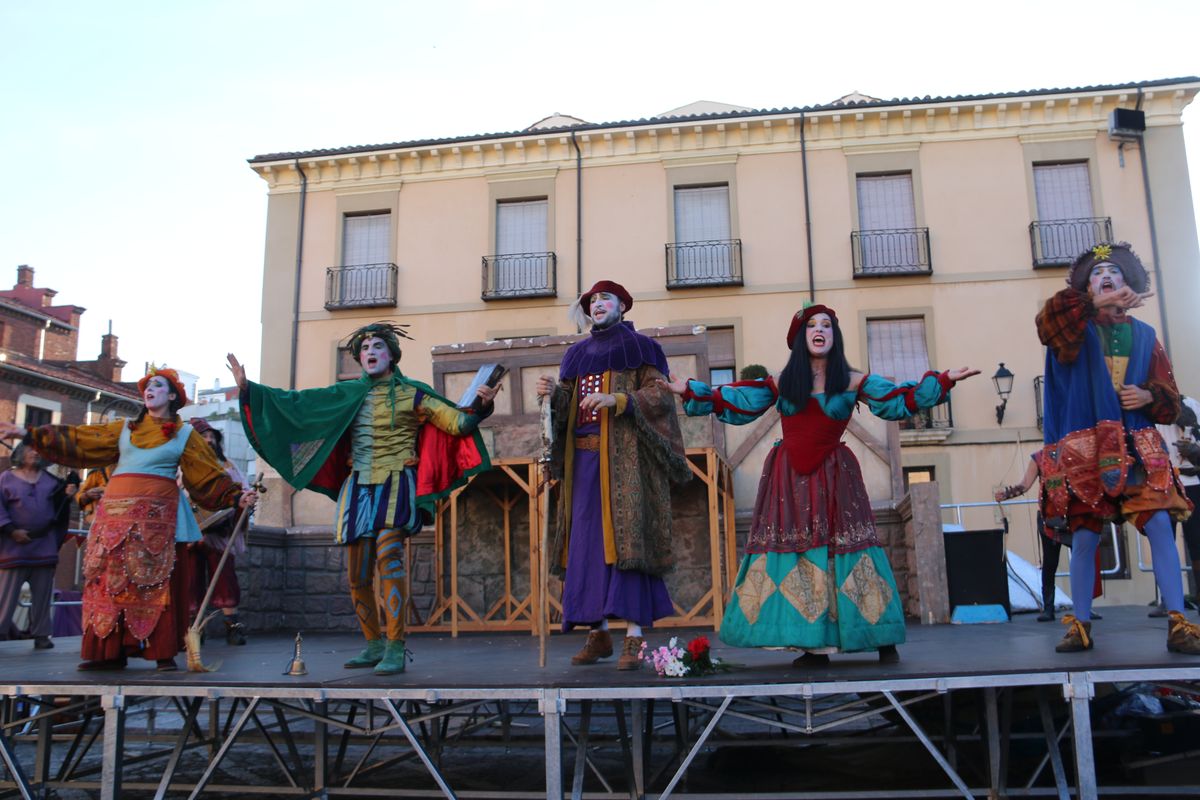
(896, 348)
(722, 363)
(918, 475)
(367, 276)
(347, 367)
(521, 266)
(1065, 225)
(367, 239)
(888, 241)
(36, 417)
(703, 253)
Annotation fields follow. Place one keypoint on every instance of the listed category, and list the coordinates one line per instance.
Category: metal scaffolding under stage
(590, 731)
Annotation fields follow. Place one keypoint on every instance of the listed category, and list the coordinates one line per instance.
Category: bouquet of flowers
(675, 661)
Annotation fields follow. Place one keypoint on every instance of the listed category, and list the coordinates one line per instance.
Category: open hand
(239, 372)
(597, 401)
(676, 385)
(961, 374)
(10, 430)
(20, 536)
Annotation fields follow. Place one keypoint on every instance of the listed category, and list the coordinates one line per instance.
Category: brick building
(41, 379)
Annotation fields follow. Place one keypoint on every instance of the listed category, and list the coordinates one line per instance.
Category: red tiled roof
(70, 374)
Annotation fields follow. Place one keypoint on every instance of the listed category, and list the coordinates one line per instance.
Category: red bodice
(810, 436)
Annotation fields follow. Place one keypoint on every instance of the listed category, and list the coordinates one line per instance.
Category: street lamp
(1003, 379)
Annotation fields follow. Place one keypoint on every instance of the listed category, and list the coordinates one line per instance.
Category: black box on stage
(976, 571)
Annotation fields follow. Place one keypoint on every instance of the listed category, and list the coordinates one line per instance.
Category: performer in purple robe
(617, 447)
(32, 528)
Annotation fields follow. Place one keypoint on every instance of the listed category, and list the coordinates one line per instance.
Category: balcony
(520, 275)
(929, 425)
(716, 262)
(360, 286)
(897, 251)
(1056, 243)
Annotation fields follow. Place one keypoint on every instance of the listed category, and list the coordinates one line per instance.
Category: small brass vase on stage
(296, 665)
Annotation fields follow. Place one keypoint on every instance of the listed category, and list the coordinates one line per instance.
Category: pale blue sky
(126, 125)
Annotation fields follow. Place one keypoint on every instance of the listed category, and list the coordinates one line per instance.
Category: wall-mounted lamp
(1003, 379)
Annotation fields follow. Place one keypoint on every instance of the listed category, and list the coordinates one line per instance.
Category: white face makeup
(158, 395)
(818, 335)
(606, 310)
(375, 357)
(1105, 277)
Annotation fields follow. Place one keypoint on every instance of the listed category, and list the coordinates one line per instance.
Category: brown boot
(1079, 635)
(597, 646)
(1182, 636)
(631, 653)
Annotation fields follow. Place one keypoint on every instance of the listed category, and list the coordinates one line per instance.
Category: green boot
(371, 655)
(393, 658)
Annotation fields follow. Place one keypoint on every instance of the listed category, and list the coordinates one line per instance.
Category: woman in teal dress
(815, 576)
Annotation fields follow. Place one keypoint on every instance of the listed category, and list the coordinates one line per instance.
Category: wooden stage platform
(335, 732)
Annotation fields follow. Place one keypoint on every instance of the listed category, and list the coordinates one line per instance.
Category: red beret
(803, 316)
(170, 376)
(611, 287)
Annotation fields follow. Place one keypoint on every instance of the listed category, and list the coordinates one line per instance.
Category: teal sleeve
(892, 401)
(734, 404)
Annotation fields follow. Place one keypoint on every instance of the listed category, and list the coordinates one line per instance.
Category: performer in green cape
(385, 447)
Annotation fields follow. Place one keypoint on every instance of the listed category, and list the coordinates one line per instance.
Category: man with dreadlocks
(365, 443)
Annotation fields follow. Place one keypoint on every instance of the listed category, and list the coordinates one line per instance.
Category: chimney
(109, 364)
(108, 344)
(24, 276)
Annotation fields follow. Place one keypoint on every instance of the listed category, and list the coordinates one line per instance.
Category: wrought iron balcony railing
(520, 275)
(938, 418)
(896, 251)
(1057, 242)
(360, 286)
(716, 262)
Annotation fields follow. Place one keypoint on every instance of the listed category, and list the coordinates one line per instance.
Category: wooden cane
(547, 433)
(192, 637)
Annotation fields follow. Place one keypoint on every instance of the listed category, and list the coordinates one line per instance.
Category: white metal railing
(1114, 571)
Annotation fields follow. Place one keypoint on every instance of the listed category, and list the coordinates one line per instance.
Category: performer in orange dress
(136, 580)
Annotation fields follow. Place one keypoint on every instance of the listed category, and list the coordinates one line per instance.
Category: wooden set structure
(518, 492)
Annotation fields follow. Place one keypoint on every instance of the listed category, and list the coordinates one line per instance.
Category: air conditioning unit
(1126, 124)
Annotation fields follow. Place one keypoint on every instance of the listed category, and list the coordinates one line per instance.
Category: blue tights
(1160, 530)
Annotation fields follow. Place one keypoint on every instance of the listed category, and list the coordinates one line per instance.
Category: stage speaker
(976, 571)
(1126, 124)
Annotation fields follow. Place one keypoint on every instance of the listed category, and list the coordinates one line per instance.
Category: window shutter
(702, 215)
(367, 239)
(896, 348)
(885, 202)
(1064, 191)
(521, 227)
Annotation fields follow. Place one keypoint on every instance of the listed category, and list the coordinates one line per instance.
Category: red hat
(611, 287)
(172, 378)
(803, 316)
(200, 425)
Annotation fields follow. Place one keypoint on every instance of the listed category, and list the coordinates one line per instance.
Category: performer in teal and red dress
(815, 576)
(385, 447)
(1108, 381)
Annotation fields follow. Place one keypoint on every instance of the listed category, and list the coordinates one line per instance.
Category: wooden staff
(191, 639)
(547, 434)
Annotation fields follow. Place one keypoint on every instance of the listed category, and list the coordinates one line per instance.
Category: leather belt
(591, 442)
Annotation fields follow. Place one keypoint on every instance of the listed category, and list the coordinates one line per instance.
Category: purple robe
(594, 590)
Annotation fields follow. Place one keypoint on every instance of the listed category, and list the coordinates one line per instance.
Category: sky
(126, 126)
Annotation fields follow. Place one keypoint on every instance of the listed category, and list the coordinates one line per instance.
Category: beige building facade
(936, 228)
